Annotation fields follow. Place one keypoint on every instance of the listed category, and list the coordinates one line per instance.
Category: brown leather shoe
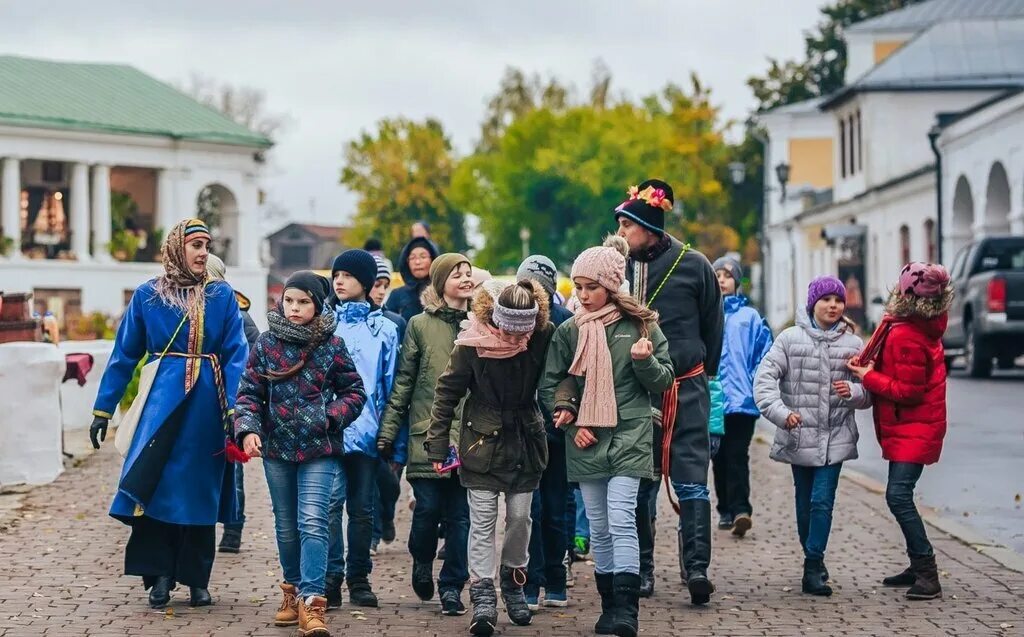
(288, 614)
(312, 621)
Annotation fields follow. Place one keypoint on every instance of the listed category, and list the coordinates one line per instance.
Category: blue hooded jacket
(745, 341)
(372, 342)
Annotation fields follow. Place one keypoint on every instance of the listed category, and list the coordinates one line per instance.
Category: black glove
(98, 431)
(385, 448)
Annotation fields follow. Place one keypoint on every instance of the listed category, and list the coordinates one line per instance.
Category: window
(929, 240)
(852, 144)
(295, 256)
(842, 147)
(860, 144)
(66, 303)
(904, 245)
(958, 263)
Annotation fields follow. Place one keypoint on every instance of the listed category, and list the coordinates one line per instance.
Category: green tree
(402, 172)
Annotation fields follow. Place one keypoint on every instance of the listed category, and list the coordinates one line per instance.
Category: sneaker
(570, 577)
(556, 599)
(373, 549)
(725, 521)
(231, 541)
(533, 601)
(442, 552)
(742, 524)
(581, 548)
(451, 602)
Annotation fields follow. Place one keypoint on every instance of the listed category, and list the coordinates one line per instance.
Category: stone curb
(1005, 556)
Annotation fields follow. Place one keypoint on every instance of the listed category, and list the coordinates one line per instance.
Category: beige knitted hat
(605, 264)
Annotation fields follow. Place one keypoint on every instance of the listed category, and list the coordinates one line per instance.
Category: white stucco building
(92, 153)
(933, 85)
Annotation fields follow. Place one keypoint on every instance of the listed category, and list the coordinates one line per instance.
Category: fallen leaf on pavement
(169, 613)
(786, 589)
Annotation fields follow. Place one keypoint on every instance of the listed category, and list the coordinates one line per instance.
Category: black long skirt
(182, 552)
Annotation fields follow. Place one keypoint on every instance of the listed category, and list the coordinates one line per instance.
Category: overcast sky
(336, 67)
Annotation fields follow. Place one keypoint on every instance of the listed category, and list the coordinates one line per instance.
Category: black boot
(198, 597)
(160, 593)
(332, 591)
(696, 536)
(905, 579)
(606, 589)
(682, 562)
(423, 580)
(626, 622)
(926, 582)
(360, 593)
(813, 582)
(647, 572)
(485, 608)
(231, 540)
(512, 580)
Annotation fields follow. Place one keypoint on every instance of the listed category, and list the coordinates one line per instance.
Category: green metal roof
(108, 98)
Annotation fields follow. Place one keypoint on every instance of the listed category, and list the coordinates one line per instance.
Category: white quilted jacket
(797, 376)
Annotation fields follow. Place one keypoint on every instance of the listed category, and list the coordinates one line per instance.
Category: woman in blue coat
(176, 484)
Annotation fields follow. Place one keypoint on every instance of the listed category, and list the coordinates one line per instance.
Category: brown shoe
(288, 614)
(311, 617)
(741, 524)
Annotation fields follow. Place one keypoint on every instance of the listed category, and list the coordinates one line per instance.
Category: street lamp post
(524, 236)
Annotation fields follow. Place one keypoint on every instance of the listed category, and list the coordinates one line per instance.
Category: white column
(166, 207)
(10, 204)
(80, 211)
(101, 224)
(247, 241)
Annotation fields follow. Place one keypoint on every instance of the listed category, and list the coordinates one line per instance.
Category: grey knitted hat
(542, 270)
(731, 266)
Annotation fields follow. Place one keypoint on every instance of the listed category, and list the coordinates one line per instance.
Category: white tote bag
(130, 420)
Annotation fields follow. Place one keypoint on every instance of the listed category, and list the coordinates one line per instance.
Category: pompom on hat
(605, 264)
(925, 280)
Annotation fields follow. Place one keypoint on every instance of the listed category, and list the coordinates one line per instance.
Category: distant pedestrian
(804, 388)
(300, 391)
(498, 359)
(746, 340)
(618, 356)
(903, 368)
(414, 264)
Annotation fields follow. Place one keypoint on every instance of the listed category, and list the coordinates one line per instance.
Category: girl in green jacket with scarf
(616, 351)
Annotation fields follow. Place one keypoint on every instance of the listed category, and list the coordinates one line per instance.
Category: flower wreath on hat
(654, 197)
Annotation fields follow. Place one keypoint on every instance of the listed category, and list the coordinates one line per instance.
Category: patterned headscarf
(177, 285)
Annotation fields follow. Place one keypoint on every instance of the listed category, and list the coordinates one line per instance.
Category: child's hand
(860, 371)
(251, 444)
(585, 438)
(842, 388)
(437, 467)
(563, 417)
(793, 420)
(642, 349)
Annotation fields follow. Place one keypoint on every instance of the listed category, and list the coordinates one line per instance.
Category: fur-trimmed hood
(431, 300)
(485, 298)
(908, 305)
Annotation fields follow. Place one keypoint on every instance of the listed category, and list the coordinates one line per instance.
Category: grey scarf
(313, 333)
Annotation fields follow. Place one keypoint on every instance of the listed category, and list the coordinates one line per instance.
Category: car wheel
(976, 355)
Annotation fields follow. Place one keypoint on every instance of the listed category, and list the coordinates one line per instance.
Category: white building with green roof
(96, 161)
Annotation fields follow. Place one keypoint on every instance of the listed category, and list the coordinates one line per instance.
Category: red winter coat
(909, 389)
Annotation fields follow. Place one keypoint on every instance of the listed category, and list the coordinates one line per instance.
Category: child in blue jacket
(372, 341)
(746, 340)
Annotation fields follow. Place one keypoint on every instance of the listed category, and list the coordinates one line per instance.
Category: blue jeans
(440, 499)
(899, 495)
(355, 489)
(549, 536)
(582, 524)
(815, 498)
(611, 510)
(300, 493)
(240, 496)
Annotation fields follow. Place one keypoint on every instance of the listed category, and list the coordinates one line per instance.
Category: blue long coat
(175, 470)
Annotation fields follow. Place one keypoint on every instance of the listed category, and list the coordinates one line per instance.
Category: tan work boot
(288, 614)
(311, 617)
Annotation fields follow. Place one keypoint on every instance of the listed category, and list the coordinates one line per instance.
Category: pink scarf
(593, 361)
(487, 341)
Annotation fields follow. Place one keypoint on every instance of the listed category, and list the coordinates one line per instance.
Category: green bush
(133, 387)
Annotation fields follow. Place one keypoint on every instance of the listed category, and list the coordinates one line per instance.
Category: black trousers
(182, 552)
(731, 466)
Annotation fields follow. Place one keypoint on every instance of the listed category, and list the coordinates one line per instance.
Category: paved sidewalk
(61, 563)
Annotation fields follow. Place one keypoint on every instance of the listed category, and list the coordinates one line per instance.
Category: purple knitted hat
(822, 287)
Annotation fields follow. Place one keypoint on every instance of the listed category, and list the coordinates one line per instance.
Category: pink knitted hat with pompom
(605, 265)
(926, 280)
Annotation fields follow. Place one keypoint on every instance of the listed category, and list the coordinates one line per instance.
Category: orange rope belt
(669, 410)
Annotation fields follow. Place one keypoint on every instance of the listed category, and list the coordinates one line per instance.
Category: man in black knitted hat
(681, 285)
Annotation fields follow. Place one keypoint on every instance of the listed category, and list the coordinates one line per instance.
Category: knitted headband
(515, 321)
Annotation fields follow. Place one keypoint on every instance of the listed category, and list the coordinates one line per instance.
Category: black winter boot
(423, 580)
(647, 572)
(682, 562)
(905, 579)
(332, 591)
(626, 621)
(160, 593)
(606, 589)
(813, 582)
(485, 608)
(360, 593)
(696, 536)
(512, 580)
(199, 597)
(926, 583)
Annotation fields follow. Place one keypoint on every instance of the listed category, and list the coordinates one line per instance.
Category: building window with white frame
(904, 244)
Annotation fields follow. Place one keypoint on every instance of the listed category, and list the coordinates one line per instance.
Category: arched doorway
(963, 215)
(997, 201)
(218, 207)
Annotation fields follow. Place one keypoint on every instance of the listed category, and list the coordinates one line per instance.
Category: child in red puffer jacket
(903, 367)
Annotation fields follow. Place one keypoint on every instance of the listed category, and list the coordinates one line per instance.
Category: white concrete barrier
(30, 418)
(77, 402)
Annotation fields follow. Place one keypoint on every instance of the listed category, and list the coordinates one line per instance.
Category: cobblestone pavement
(61, 560)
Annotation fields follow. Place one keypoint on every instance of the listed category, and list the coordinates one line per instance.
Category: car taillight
(997, 295)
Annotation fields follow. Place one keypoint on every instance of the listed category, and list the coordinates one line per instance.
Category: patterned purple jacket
(301, 417)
